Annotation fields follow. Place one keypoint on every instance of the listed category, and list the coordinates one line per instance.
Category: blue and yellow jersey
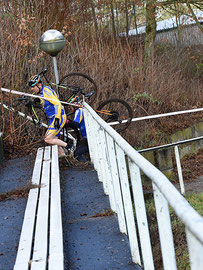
(53, 109)
(52, 105)
(79, 118)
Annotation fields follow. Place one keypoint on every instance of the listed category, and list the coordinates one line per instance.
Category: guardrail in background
(21, 114)
(118, 166)
(30, 119)
(177, 156)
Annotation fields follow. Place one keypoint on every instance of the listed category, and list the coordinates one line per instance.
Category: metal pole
(56, 73)
(180, 175)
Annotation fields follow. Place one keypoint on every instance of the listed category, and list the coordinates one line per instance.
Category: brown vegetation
(170, 81)
(17, 193)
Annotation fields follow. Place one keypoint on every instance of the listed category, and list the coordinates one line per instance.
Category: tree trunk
(95, 20)
(150, 27)
(126, 15)
(113, 21)
(135, 17)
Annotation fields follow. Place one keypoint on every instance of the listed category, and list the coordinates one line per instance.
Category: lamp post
(52, 42)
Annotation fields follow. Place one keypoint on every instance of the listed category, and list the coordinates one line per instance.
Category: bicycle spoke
(77, 84)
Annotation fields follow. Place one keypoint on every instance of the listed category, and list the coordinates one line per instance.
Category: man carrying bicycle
(54, 112)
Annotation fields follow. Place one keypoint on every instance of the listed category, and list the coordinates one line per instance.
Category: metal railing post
(165, 231)
(180, 175)
(101, 154)
(107, 169)
(195, 249)
(116, 184)
(141, 215)
(128, 206)
(90, 138)
(124, 164)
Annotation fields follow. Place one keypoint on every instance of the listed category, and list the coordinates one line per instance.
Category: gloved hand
(28, 102)
(72, 124)
(37, 101)
(56, 123)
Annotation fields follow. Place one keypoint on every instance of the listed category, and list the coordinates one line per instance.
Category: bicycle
(76, 87)
(35, 123)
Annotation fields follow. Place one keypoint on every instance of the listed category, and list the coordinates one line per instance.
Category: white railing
(177, 156)
(118, 166)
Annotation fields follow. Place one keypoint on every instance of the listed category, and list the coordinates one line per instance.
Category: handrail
(192, 220)
(170, 144)
(177, 156)
(180, 205)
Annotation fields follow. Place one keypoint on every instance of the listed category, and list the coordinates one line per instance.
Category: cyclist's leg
(81, 149)
(53, 140)
(52, 134)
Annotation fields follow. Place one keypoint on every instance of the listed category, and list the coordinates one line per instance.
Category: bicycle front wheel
(29, 122)
(116, 110)
(80, 85)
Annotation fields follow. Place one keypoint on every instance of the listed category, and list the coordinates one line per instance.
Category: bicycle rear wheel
(80, 85)
(116, 110)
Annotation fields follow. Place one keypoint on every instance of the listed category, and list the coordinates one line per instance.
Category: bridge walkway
(92, 240)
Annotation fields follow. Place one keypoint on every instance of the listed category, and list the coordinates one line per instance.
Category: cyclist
(54, 112)
(79, 122)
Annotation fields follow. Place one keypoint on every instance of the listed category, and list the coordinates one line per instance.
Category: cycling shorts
(52, 129)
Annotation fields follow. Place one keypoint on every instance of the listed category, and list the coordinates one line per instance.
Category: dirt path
(195, 186)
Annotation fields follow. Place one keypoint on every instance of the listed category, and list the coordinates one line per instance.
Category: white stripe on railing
(21, 114)
(35, 96)
(116, 150)
(112, 123)
(43, 124)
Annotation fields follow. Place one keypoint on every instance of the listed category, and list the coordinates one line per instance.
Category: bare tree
(113, 20)
(150, 27)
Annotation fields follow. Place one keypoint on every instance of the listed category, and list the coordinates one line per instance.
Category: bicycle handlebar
(43, 71)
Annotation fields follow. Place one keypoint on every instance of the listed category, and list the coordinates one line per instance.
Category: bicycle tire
(120, 111)
(31, 129)
(20, 102)
(78, 81)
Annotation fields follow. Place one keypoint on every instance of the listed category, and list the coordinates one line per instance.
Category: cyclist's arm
(78, 116)
(77, 119)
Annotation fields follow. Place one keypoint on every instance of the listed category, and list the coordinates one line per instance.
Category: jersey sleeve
(78, 115)
(52, 98)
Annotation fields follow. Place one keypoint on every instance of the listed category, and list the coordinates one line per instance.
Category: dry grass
(192, 166)
(170, 81)
(17, 193)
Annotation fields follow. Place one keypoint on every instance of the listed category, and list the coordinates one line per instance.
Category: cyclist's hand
(37, 101)
(28, 103)
(72, 124)
(56, 123)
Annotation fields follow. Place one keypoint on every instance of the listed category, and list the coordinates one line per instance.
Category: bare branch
(195, 18)
(169, 2)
